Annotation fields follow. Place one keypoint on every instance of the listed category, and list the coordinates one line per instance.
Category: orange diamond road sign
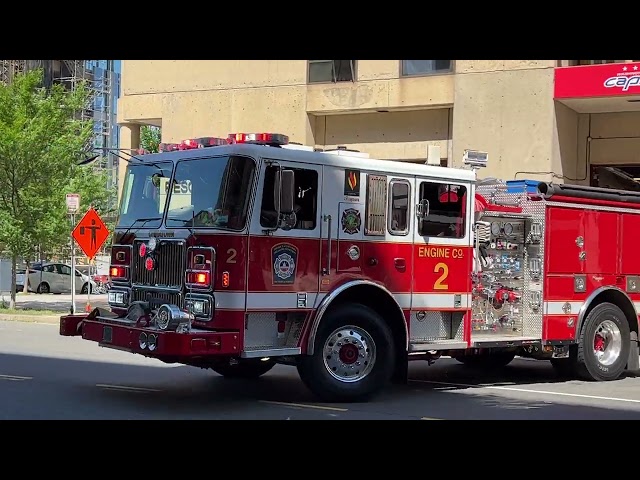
(90, 233)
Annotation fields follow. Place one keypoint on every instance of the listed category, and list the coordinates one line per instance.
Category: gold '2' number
(232, 252)
(443, 270)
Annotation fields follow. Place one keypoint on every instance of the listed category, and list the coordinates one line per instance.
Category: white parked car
(56, 278)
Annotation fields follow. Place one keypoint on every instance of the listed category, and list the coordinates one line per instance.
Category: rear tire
(603, 348)
(246, 368)
(354, 355)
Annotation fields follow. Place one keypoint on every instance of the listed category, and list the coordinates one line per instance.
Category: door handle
(400, 264)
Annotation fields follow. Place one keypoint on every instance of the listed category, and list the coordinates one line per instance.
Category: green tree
(150, 138)
(41, 138)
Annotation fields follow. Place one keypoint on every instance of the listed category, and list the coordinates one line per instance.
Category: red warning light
(149, 264)
(259, 138)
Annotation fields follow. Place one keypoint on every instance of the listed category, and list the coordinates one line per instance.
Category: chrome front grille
(170, 257)
(155, 298)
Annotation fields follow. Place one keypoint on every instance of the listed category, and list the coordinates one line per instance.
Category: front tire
(354, 355)
(603, 349)
(245, 368)
(43, 288)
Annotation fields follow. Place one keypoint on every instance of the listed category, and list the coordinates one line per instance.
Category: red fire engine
(236, 254)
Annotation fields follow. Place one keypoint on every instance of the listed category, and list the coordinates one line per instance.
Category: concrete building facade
(527, 114)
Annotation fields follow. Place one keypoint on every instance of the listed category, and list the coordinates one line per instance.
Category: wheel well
(617, 298)
(380, 301)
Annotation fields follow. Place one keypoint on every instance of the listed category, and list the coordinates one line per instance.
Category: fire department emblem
(351, 221)
(284, 258)
(352, 183)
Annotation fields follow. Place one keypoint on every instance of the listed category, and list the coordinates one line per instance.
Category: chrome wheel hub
(349, 354)
(607, 343)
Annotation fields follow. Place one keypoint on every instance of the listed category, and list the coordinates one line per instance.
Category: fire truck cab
(240, 253)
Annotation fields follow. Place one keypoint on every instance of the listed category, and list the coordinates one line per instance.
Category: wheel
(354, 355)
(491, 360)
(85, 289)
(43, 288)
(603, 348)
(245, 368)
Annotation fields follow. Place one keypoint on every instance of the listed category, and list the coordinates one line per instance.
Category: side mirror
(283, 192)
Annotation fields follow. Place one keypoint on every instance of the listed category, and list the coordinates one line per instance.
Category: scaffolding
(10, 68)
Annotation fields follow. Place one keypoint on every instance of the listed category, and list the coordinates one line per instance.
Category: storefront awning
(613, 87)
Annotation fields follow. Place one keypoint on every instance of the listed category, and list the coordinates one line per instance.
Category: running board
(496, 341)
(437, 345)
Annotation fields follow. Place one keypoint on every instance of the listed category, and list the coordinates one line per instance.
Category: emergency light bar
(203, 142)
(273, 139)
(169, 147)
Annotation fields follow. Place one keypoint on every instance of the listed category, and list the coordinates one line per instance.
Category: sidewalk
(30, 318)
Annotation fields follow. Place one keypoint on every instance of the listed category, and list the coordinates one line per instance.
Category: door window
(306, 199)
(446, 216)
(64, 269)
(399, 207)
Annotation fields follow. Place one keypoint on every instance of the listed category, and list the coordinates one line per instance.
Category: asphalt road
(45, 376)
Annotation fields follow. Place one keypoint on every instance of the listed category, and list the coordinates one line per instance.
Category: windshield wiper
(144, 221)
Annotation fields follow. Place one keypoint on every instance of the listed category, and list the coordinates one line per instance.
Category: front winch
(170, 317)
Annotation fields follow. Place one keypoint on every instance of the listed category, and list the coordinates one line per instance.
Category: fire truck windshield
(211, 192)
(144, 194)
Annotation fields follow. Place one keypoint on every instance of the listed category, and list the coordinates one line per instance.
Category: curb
(18, 317)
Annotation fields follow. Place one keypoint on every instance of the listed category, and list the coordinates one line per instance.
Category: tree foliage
(41, 140)
(150, 138)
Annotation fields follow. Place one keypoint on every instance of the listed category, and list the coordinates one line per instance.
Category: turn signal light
(118, 272)
(198, 279)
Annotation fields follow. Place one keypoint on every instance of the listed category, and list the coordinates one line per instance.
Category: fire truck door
(442, 254)
(286, 260)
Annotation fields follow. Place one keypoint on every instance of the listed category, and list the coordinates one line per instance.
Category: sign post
(73, 204)
(90, 234)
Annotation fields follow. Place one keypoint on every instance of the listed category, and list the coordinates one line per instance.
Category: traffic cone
(88, 308)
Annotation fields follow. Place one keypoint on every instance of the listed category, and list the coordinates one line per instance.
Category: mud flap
(633, 363)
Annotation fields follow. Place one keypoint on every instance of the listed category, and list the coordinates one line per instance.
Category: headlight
(116, 297)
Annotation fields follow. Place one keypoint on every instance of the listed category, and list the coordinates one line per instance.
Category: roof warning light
(273, 139)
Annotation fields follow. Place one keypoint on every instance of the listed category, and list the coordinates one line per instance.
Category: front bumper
(124, 334)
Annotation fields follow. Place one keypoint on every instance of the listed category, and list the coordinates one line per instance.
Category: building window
(575, 63)
(325, 71)
(412, 68)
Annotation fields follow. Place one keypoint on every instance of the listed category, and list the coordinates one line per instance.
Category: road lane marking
(528, 390)
(125, 388)
(14, 378)
(430, 418)
(305, 405)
